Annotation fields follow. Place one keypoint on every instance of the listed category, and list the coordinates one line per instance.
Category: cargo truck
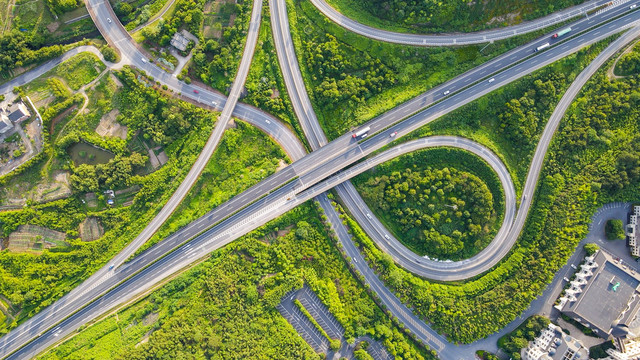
(361, 133)
(561, 32)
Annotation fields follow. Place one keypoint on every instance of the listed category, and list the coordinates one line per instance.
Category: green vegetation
(21, 280)
(313, 321)
(138, 12)
(614, 230)
(485, 355)
(600, 351)
(223, 307)
(591, 248)
(351, 78)
(433, 16)
(581, 173)
(233, 168)
(585, 330)
(518, 339)
(109, 54)
(79, 70)
(509, 121)
(361, 354)
(265, 84)
(439, 207)
(217, 58)
(629, 62)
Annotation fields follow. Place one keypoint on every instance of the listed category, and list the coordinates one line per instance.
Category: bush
(109, 54)
(614, 229)
(591, 248)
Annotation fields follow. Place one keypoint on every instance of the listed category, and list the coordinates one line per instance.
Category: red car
(196, 91)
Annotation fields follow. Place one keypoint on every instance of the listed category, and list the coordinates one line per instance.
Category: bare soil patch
(34, 238)
(90, 229)
(108, 125)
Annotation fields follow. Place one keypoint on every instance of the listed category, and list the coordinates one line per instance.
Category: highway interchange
(309, 170)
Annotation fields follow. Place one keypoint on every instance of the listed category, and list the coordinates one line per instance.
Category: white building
(553, 344)
(633, 231)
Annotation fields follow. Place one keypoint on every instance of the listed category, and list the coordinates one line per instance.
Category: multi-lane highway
(309, 170)
(457, 39)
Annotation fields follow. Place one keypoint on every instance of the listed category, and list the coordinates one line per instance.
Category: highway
(310, 170)
(457, 39)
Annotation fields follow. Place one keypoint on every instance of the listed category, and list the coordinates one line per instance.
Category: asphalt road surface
(286, 197)
(457, 39)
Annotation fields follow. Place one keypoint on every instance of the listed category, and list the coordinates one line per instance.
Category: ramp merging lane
(309, 170)
(457, 39)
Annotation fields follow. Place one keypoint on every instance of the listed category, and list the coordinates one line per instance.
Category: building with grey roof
(604, 296)
(180, 40)
(18, 112)
(553, 344)
(5, 123)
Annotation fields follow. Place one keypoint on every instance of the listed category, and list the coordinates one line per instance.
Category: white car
(446, 93)
(633, 6)
(109, 20)
(387, 237)
(144, 60)
(492, 80)
(369, 215)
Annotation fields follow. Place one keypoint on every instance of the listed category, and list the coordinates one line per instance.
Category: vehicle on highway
(362, 133)
(492, 80)
(109, 20)
(386, 237)
(144, 60)
(111, 267)
(446, 93)
(393, 134)
(196, 91)
(543, 46)
(369, 215)
(561, 32)
(633, 6)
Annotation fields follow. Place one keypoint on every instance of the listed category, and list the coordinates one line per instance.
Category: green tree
(614, 229)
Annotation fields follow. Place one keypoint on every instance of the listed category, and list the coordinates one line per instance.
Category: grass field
(80, 70)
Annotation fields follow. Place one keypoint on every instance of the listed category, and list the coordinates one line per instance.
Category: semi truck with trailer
(361, 133)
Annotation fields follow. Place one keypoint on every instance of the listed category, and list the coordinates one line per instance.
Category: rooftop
(608, 298)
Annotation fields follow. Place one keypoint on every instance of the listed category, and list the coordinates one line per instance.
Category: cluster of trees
(217, 61)
(187, 14)
(58, 7)
(583, 158)
(443, 213)
(224, 307)
(117, 173)
(458, 15)
(20, 49)
(339, 77)
(161, 119)
(614, 229)
(520, 120)
(629, 63)
(519, 338)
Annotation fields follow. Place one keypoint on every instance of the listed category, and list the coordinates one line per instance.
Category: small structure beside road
(181, 39)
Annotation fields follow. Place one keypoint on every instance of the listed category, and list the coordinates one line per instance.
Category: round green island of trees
(444, 208)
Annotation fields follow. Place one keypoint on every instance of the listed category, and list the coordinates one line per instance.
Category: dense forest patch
(436, 207)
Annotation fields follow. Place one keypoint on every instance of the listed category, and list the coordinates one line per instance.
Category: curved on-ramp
(455, 39)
